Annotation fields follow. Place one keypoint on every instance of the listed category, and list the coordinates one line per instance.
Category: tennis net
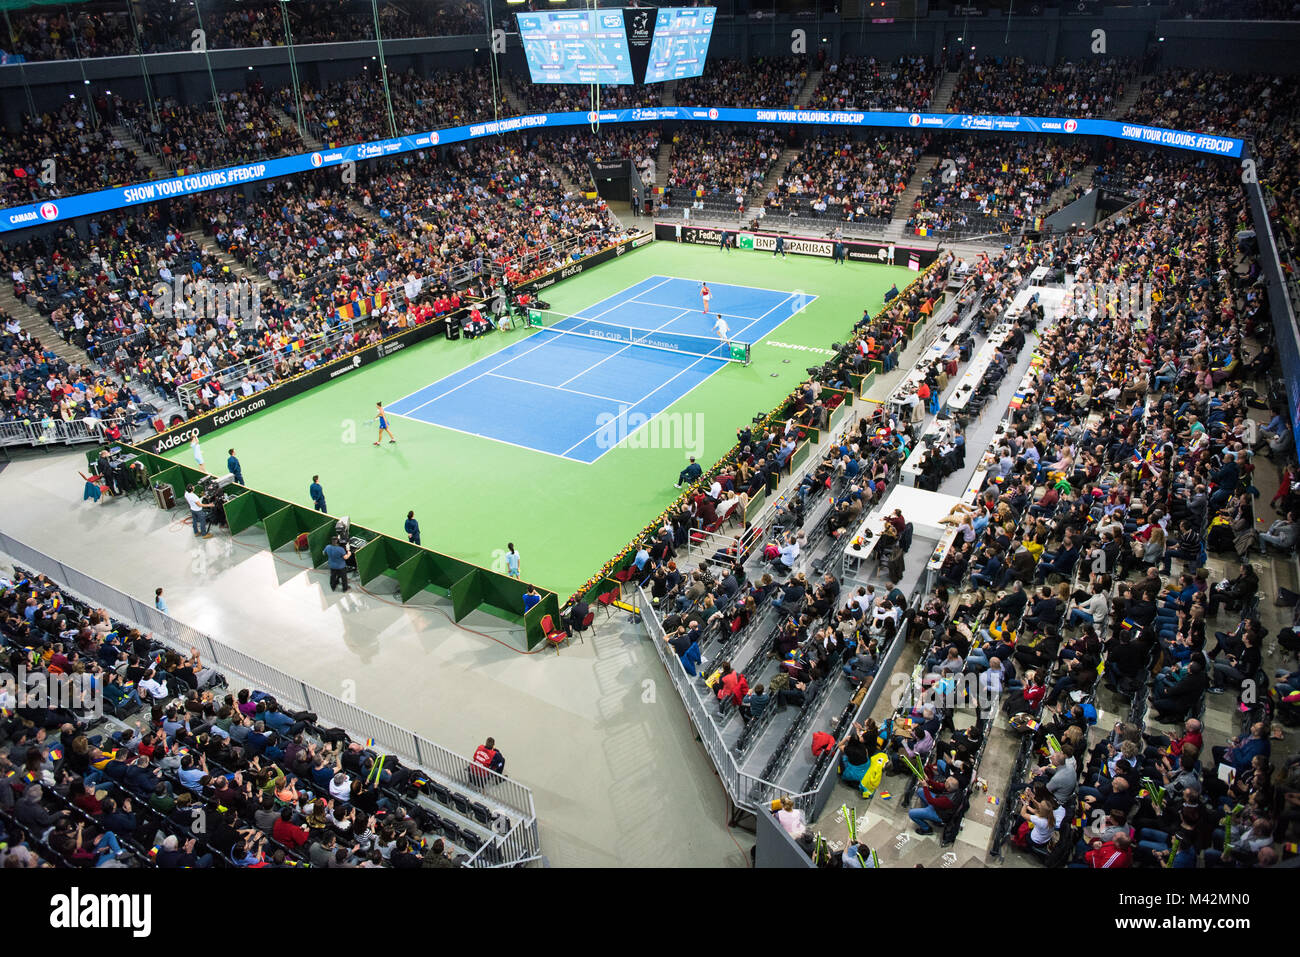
(684, 343)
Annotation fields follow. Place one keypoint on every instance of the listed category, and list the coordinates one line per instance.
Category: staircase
(157, 170)
(662, 160)
(668, 93)
(1079, 184)
(514, 100)
(903, 208)
(1132, 90)
(943, 95)
(38, 327)
(788, 156)
(290, 124)
(810, 85)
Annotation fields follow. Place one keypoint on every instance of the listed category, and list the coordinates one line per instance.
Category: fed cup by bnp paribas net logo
(80, 694)
(205, 299)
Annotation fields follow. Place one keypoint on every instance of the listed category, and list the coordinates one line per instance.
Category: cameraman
(336, 556)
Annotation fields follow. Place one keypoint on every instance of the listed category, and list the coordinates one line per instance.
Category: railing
(49, 431)
(511, 799)
(745, 790)
(266, 362)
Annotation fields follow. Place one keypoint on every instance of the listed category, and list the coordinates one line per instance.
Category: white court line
(625, 301)
(509, 360)
(625, 411)
(490, 438)
(547, 385)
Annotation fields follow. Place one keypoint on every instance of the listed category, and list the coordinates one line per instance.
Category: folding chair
(553, 634)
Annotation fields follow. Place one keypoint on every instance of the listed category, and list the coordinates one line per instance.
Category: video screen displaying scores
(621, 46)
(681, 43)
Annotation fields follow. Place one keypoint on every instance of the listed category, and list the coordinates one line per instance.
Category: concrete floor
(617, 776)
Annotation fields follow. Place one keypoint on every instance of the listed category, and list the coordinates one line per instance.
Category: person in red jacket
(285, 832)
(734, 686)
(487, 756)
(822, 741)
(938, 803)
(1117, 852)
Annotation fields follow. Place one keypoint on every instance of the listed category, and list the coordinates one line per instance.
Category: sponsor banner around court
(87, 204)
(327, 372)
(887, 254)
(549, 279)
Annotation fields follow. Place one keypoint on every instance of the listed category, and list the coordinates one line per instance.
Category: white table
(939, 431)
(979, 365)
(1038, 275)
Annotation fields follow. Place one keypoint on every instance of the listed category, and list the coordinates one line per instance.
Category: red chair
(553, 635)
(608, 598)
(586, 623)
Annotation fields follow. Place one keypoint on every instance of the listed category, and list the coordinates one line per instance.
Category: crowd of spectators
(1011, 87)
(423, 226)
(53, 33)
(855, 180)
(865, 83)
(565, 98)
(184, 772)
(36, 384)
(65, 151)
(572, 151)
(993, 185)
(190, 137)
(354, 110)
(766, 82)
(720, 162)
(1236, 104)
(1139, 436)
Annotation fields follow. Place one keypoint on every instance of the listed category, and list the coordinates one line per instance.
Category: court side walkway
(596, 731)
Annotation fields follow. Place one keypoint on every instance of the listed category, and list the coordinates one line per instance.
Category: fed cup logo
(316, 159)
(1071, 125)
(713, 114)
(914, 119)
(49, 211)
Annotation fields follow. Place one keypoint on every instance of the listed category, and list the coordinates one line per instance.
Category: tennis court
(564, 389)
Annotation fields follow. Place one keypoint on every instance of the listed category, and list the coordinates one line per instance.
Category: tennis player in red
(704, 294)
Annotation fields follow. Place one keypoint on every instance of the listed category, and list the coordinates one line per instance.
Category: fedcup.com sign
(204, 299)
(81, 694)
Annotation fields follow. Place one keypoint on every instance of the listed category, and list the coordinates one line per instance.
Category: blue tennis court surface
(567, 395)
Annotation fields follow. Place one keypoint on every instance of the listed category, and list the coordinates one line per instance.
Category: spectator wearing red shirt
(285, 832)
(822, 741)
(1115, 853)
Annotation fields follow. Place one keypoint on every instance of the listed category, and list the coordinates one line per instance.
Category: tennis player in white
(721, 328)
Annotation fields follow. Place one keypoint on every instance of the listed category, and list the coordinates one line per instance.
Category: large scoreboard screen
(681, 43)
(621, 46)
(576, 46)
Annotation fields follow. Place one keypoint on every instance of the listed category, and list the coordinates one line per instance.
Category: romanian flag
(370, 742)
(419, 781)
(31, 777)
(379, 298)
(56, 754)
(347, 312)
(922, 231)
